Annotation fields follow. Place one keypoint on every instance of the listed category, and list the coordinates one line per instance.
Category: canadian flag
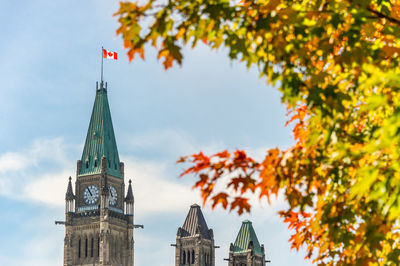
(109, 54)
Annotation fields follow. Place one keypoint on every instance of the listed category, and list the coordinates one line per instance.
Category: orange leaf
(242, 204)
(220, 198)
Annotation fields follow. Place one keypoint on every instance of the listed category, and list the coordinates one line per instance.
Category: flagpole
(102, 49)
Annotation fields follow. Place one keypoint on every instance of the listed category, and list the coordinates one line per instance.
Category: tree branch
(381, 15)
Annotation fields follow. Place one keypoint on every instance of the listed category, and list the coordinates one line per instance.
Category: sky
(49, 68)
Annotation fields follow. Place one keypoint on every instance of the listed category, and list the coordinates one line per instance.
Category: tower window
(86, 247)
(188, 257)
(79, 248)
(87, 164)
(184, 258)
(95, 163)
(98, 246)
(91, 247)
(192, 256)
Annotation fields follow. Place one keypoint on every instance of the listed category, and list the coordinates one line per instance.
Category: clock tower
(98, 217)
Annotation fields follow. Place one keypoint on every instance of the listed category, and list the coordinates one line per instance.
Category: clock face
(113, 196)
(91, 194)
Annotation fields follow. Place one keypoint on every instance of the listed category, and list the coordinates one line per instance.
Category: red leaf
(220, 198)
(242, 204)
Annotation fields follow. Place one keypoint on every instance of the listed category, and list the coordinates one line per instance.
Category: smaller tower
(69, 198)
(129, 208)
(194, 241)
(69, 214)
(246, 250)
(129, 200)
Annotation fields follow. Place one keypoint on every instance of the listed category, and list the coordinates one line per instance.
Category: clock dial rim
(91, 194)
(113, 197)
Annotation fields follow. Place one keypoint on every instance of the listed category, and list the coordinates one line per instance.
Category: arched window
(184, 258)
(114, 247)
(87, 164)
(91, 246)
(192, 256)
(188, 257)
(98, 246)
(86, 247)
(95, 163)
(79, 248)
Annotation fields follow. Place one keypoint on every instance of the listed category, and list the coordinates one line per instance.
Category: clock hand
(90, 192)
(111, 194)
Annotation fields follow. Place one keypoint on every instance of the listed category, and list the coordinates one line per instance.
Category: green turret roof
(245, 235)
(100, 139)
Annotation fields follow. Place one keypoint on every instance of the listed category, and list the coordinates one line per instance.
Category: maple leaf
(242, 204)
(220, 198)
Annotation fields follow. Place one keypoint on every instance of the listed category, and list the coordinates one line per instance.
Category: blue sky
(50, 64)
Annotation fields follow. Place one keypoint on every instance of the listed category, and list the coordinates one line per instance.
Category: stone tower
(98, 218)
(194, 241)
(247, 250)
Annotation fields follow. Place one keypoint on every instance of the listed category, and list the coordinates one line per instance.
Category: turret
(69, 198)
(194, 241)
(129, 200)
(246, 250)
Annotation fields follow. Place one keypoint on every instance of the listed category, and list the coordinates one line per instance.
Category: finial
(130, 181)
(70, 178)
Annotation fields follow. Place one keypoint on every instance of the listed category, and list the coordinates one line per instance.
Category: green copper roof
(100, 139)
(245, 235)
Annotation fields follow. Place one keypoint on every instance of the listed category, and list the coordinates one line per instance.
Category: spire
(129, 194)
(195, 224)
(100, 139)
(70, 194)
(247, 237)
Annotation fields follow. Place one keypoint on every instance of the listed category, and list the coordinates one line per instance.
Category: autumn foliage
(336, 63)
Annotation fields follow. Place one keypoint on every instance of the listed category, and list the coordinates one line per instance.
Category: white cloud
(48, 189)
(12, 162)
(38, 172)
(155, 189)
